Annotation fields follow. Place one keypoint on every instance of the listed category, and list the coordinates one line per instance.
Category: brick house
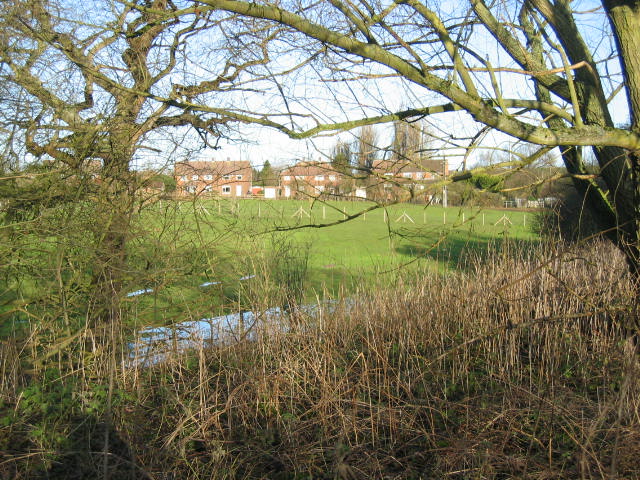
(395, 179)
(403, 171)
(311, 179)
(220, 178)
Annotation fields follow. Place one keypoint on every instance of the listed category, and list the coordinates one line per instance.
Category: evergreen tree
(341, 157)
(267, 175)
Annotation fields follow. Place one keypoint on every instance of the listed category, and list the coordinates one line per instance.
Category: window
(183, 178)
(319, 178)
(332, 178)
(238, 177)
(191, 189)
(388, 174)
(407, 174)
(419, 175)
(287, 178)
(226, 177)
(226, 190)
(194, 177)
(207, 188)
(299, 177)
(208, 177)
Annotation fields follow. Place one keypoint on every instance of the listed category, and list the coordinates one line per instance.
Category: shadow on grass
(457, 250)
(86, 457)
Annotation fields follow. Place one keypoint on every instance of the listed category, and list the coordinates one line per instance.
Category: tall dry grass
(516, 366)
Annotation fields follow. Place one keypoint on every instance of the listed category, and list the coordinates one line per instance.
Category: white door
(238, 190)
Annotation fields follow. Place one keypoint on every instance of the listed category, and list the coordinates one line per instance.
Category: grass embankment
(513, 367)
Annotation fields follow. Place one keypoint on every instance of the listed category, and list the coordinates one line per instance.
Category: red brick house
(404, 171)
(220, 178)
(311, 179)
(396, 179)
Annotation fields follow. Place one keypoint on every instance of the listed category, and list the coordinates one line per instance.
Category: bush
(490, 183)
(465, 194)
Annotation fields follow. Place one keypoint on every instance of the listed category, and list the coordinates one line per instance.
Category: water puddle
(156, 344)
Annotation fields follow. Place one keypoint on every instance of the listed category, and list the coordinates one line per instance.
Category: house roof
(308, 169)
(217, 168)
(405, 166)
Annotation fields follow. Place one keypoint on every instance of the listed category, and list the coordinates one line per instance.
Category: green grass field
(226, 236)
(378, 238)
(193, 254)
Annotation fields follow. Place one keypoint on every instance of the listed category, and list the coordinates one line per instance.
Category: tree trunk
(625, 22)
(114, 207)
(624, 16)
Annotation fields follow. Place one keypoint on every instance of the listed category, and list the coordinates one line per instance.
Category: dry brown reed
(516, 366)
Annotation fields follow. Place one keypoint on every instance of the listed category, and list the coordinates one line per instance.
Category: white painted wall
(269, 192)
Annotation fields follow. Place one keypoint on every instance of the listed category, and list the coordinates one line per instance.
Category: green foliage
(341, 157)
(467, 194)
(490, 183)
(168, 181)
(267, 176)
